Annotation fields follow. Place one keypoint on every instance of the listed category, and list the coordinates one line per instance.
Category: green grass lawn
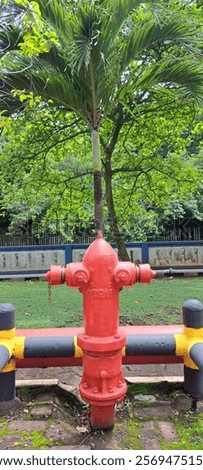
(157, 303)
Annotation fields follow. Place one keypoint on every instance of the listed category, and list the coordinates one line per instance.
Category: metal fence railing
(194, 233)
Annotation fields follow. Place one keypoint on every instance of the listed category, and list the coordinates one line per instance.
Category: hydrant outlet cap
(55, 275)
(146, 274)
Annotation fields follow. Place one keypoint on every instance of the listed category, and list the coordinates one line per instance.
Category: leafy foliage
(46, 171)
(111, 64)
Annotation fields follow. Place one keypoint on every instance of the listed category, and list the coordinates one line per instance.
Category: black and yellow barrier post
(190, 346)
(7, 363)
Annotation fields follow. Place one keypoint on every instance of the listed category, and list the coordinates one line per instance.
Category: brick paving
(168, 431)
(19, 435)
(33, 427)
(54, 418)
(148, 436)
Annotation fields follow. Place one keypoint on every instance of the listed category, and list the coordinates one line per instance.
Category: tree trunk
(98, 201)
(122, 251)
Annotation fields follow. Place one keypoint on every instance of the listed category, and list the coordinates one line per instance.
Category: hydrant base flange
(101, 399)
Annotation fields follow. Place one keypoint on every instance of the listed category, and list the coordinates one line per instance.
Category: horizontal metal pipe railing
(58, 347)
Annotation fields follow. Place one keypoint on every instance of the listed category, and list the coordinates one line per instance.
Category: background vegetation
(125, 72)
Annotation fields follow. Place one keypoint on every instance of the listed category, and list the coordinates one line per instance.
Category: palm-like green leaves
(106, 50)
(97, 42)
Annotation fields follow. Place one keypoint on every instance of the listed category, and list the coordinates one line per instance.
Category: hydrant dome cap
(100, 248)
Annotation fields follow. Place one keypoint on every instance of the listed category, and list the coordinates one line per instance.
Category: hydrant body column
(101, 300)
(102, 383)
(100, 277)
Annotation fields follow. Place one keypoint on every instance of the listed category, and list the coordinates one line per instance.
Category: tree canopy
(46, 170)
(108, 62)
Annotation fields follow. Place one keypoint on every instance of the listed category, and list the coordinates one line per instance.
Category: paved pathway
(72, 375)
(55, 418)
(30, 426)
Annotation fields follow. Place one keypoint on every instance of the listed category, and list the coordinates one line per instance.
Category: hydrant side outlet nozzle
(127, 274)
(55, 276)
(77, 275)
(146, 274)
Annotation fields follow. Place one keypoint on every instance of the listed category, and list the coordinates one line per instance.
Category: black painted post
(7, 373)
(193, 362)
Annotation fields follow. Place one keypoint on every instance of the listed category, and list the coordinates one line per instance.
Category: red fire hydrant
(100, 277)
